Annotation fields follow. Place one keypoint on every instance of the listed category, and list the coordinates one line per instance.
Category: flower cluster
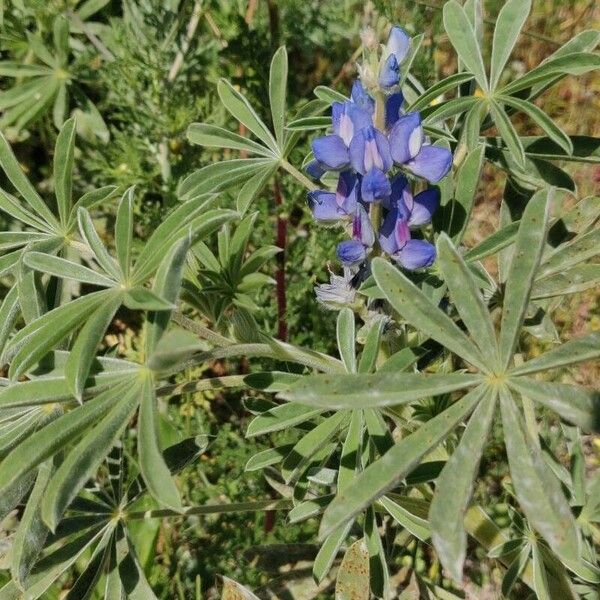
(371, 138)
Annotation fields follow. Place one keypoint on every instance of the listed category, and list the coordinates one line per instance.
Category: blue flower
(331, 151)
(407, 148)
(361, 98)
(370, 149)
(351, 252)
(406, 212)
(393, 104)
(389, 73)
(398, 43)
(332, 206)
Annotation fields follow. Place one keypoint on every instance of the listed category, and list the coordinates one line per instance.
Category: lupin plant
(384, 438)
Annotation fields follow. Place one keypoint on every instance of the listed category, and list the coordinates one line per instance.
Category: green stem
(210, 509)
(202, 385)
(303, 179)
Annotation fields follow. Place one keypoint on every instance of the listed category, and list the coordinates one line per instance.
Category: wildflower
(331, 151)
(398, 43)
(406, 213)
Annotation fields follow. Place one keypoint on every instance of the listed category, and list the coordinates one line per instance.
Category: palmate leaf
(387, 472)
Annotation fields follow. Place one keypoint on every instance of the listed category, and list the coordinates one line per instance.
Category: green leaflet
(579, 349)
(509, 23)
(154, 469)
(454, 488)
(573, 403)
(508, 133)
(529, 245)
(575, 63)
(83, 352)
(416, 525)
(370, 352)
(382, 475)
(124, 231)
(328, 551)
(90, 236)
(13, 171)
(467, 180)
(167, 284)
(241, 109)
(461, 34)
(63, 169)
(310, 444)
(213, 136)
(40, 336)
(277, 93)
(538, 491)
(467, 298)
(555, 133)
(338, 392)
(346, 339)
(65, 269)
(281, 417)
(31, 533)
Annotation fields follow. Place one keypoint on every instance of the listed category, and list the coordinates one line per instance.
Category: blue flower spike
(374, 148)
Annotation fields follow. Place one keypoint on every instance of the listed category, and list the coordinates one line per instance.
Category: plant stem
(204, 332)
(281, 242)
(202, 385)
(210, 509)
(303, 179)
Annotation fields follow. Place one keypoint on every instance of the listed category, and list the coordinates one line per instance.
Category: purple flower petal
(432, 163)
(347, 119)
(398, 43)
(400, 190)
(331, 152)
(406, 138)
(375, 186)
(393, 104)
(369, 148)
(362, 229)
(416, 254)
(361, 98)
(387, 233)
(347, 193)
(424, 205)
(324, 206)
(402, 233)
(351, 252)
(315, 169)
(389, 74)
